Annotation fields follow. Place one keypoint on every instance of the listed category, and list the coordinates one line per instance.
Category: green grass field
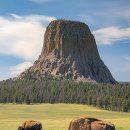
(57, 116)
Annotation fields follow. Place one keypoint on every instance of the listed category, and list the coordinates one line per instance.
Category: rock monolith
(70, 52)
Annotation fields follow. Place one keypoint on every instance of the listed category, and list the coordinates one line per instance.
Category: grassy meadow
(57, 116)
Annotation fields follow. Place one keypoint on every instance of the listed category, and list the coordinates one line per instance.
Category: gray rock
(70, 51)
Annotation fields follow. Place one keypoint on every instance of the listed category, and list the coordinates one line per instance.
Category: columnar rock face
(70, 51)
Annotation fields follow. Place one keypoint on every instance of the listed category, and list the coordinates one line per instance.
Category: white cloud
(108, 27)
(110, 35)
(41, 1)
(22, 36)
(16, 70)
(13, 71)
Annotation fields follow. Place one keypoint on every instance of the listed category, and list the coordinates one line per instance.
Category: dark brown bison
(86, 123)
(30, 125)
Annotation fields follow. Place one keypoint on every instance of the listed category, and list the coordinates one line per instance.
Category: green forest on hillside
(106, 96)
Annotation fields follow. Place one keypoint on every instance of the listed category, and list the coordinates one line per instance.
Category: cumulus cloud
(41, 1)
(111, 35)
(16, 70)
(22, 36)
(13, 71)
(107, 28)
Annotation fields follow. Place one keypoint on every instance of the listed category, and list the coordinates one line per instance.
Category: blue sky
(23, 23)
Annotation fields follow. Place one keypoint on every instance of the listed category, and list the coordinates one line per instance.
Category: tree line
(105, 96)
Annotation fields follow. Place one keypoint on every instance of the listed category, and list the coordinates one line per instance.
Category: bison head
(110, 127)
(20, 128)
(37, 127)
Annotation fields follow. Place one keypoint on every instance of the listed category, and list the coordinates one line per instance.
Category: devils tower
(69, 51)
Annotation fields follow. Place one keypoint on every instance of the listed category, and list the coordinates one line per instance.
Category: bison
(85, 123)
(30, 125)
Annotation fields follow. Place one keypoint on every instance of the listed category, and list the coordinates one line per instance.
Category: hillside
(111, 97)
